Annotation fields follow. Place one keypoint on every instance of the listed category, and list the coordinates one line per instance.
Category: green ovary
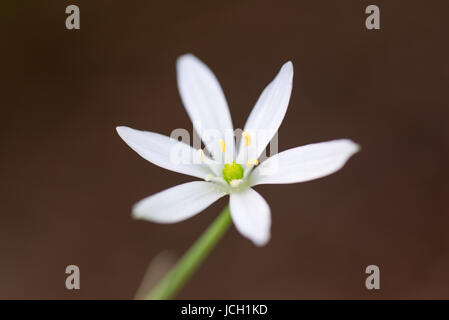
(232, 171)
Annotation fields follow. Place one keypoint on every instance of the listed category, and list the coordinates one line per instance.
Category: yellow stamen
(209, 177)
(201, 152)
(247, 138)
(222, 145)
(252, 162)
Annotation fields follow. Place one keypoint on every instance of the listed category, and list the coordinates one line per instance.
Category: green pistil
(232, 171)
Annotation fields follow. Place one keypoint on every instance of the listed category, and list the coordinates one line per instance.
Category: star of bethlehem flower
(229, 170)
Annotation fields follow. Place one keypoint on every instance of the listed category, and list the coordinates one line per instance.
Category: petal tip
(261, 242)
(186, 58)
(136, 215)
(354, 146)
(120, 129)
(124, 131)
(351, 146)
(288, 67)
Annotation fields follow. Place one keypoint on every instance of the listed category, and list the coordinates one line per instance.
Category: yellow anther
(247, 138)
(252, 162)
(222, 145)
(209, 177)
(201, 152)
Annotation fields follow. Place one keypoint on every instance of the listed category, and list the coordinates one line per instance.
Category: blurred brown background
(68, 181)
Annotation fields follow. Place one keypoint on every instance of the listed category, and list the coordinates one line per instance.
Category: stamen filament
(235, 183)
(201, 153)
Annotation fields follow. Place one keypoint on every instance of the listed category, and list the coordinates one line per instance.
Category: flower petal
(267, 114)
(205, 103)
(304, 163)
(251, 215)
(178, 203)
(165, 152)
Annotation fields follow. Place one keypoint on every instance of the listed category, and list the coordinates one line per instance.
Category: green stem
(169, 286)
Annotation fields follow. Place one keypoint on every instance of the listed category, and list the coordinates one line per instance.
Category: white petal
(268, 113)
(205, 102)
(304, 163)
(178, 203)
(165, 152)
(251, 215)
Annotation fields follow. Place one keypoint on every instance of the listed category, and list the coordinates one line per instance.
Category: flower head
(225, 169)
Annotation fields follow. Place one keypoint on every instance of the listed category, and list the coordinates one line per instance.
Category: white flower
(227, 173)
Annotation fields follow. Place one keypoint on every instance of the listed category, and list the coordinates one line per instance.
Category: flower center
(232, 171)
